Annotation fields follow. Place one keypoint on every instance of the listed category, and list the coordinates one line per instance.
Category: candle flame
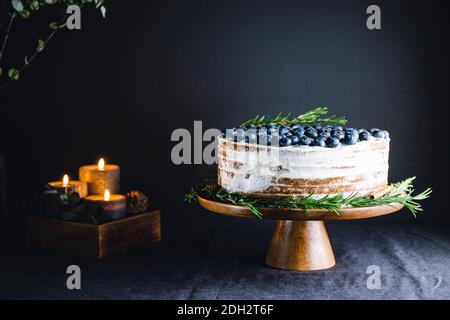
(106, 195)
(65, 180)
(101, 164)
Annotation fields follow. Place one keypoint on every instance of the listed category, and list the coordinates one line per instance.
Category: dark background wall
(120, 86)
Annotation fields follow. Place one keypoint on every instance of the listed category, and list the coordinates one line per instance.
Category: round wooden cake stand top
(300, 240)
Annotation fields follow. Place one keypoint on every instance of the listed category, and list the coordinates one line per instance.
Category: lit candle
(65, 180)
(65, 184)
(101, 176)
(101, 164)
(106, 195)
(106, 207)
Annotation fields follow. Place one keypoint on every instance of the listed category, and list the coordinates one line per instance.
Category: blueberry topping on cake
(299, 135)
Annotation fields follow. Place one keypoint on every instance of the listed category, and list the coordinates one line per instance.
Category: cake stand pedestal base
(300, 245)
(300, 241)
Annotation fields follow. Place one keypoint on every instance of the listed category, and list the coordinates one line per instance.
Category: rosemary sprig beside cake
(401, 193)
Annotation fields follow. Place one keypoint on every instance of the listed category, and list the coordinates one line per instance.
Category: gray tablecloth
(226, 261)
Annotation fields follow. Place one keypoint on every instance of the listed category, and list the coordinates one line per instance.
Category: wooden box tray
(97, 241)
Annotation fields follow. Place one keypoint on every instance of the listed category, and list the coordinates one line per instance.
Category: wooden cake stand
(300, 240)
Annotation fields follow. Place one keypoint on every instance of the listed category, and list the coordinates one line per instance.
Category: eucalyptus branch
(310, 117)
(27, 8)
(14, 74)
(402, 193)
(8, 31)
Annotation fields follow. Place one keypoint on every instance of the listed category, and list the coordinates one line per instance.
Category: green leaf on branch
(13, 74)
(25, 14)
(103, 11)
(27, 62)
(56, 25)
(17, 5)
(35, 5)
(51, 1)
(40, 46)
(98, 3)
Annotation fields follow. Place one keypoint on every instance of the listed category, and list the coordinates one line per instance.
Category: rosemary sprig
(311, 117)
(217, 193)
(402, 192)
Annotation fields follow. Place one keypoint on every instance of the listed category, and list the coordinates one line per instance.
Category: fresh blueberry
(378, 134)
(299, 131)
(350, 138)
(327, 129)
(294, 139)
(338, 134)
(288, 134)
(317, 127)
(285, 142)
(373, 129)
(320, 142)
(251, 126)
(306, 141)
(311, 132)
(386, 134)
(353, 133)
(324, 135)
(332, 142)
(364, 135)
(339, 128)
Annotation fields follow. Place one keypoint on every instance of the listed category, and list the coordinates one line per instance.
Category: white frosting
(246, 168)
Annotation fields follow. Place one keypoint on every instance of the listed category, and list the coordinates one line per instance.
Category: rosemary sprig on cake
(401, 192)
(311, 117)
